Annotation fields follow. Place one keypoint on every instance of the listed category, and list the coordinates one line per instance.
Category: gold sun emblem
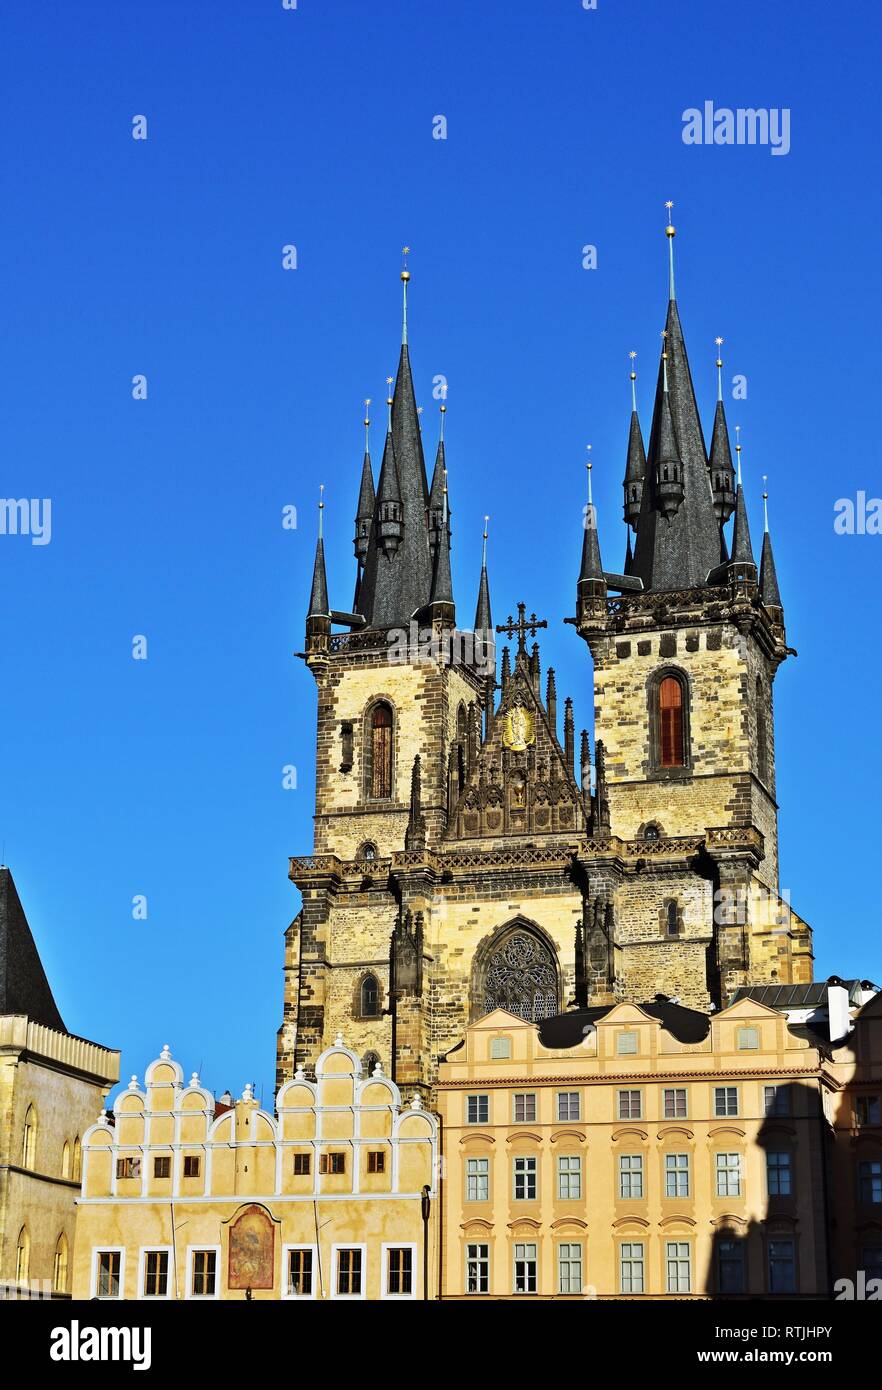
(518, 730)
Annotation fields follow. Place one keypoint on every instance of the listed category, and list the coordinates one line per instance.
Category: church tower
(470, 852)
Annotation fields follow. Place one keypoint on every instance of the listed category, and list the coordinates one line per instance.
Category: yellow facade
(334, 1196)
(634, 1164)
(52, 1086)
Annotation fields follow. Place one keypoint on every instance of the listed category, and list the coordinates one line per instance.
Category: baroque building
(471, 852)
(52, 1085)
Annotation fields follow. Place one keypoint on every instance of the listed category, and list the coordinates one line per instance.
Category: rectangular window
(626, 1044)
(568, 1107)
(349, 1272)
(162, 1167)
(782, 1267)
(524, 1109)
(332, 1163)
(868, 1110)
(477, 1268)
(675, 1103)
(204, 1273)
(128, 1167)
(500, 1049)
(725, 1100)
(569, 1269)
(728, 1175)
(569, 1177)
(630, 1175)
(730, 1266)
(525, 1179)
(376, 1161)
(776, 1100)
(748, 1039)
(192, 1163)
(477, 1110)
(631, 1267)
(155, 1273)
(676, 1175)
(779, 1174)
(109, 1267)
(300, 1273)
(302, 1165)
(399, 1270)
(629, 1105)
(477, 1179)
(525, 1269)
(870, 1182)
(678, 1267)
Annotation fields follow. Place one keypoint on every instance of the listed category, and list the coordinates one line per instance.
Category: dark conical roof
(319, 607)
(635, 467)
(769, 591)
(442, 581)
(720, 454)
(742, 550)
(24, 988)
(483, 615)
(366, 494)
(396, 585)
(591, 563)
(677, 551)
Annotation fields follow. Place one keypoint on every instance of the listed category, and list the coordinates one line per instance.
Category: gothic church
(469, 852)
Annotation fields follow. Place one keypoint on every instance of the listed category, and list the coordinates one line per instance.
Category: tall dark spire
(319, 607)
(721, 470)
(676, 548)
(483, 618)
(742, 549)
(397, 579)
(635, 466)
(436, 492)
(591, 568)
(366, 496)
(441, 601)
(768, 580)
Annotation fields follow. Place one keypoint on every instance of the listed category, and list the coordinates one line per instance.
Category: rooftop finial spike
(321, 508)
(367, 425)
(443, 409)
(738, 452)
(632, 354)
(719, 343)
(765, 504)
(405, 276)
(589, 465)
(484, 547)
(664, 338)
(389, 400)
(670, 233)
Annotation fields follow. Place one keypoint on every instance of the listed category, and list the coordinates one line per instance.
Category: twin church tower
(470, 853)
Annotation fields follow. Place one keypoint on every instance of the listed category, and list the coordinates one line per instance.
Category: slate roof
(568, 1029)
(24, 988)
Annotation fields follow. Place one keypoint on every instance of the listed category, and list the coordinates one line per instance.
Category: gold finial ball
(443, 408)
(670, 230)
(633, 376)
(719, 361)
(405, 275)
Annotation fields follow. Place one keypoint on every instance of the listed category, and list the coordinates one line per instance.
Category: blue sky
(313, 127)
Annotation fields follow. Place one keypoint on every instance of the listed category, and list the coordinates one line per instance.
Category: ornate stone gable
(519, 783)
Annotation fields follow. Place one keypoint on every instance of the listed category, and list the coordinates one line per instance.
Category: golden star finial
(632, 354)
(719, 342)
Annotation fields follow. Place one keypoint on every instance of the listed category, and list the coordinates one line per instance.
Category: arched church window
(368, 1062)
(672, 919)
(652, 832)
(380, 752)
(670, 722)
(369, 997)
(521, 977)
(60, 1263)
(29, 1139)
(367, 852)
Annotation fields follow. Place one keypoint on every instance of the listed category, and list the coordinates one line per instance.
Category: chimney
(838, 1016)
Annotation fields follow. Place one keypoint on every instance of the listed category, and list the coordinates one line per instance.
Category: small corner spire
(405, 277)
(670, 233)
(770, 593)
(483, 617)
(591, 580)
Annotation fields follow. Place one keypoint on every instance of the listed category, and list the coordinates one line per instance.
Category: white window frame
(631, 1173)
(630, 1092)
(632, 1261)
(481, 1173)
(677, 1259)
(208, 1250)
(675, 1091)
(384, 1265)
(568, 1118)
(98, 1250)
(727, 1169)
(303, 1245)
(480, 1262)
(677, 1171)
(726, 1113)
(534, 1246)
(526, 1175)
(477, 1096)
(335, 1254)
(526, 1097)
(571, 1245)
(143, 1252)
(568, 1174)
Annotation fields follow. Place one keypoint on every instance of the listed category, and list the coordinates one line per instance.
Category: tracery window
(369, 997)
(521, 977)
